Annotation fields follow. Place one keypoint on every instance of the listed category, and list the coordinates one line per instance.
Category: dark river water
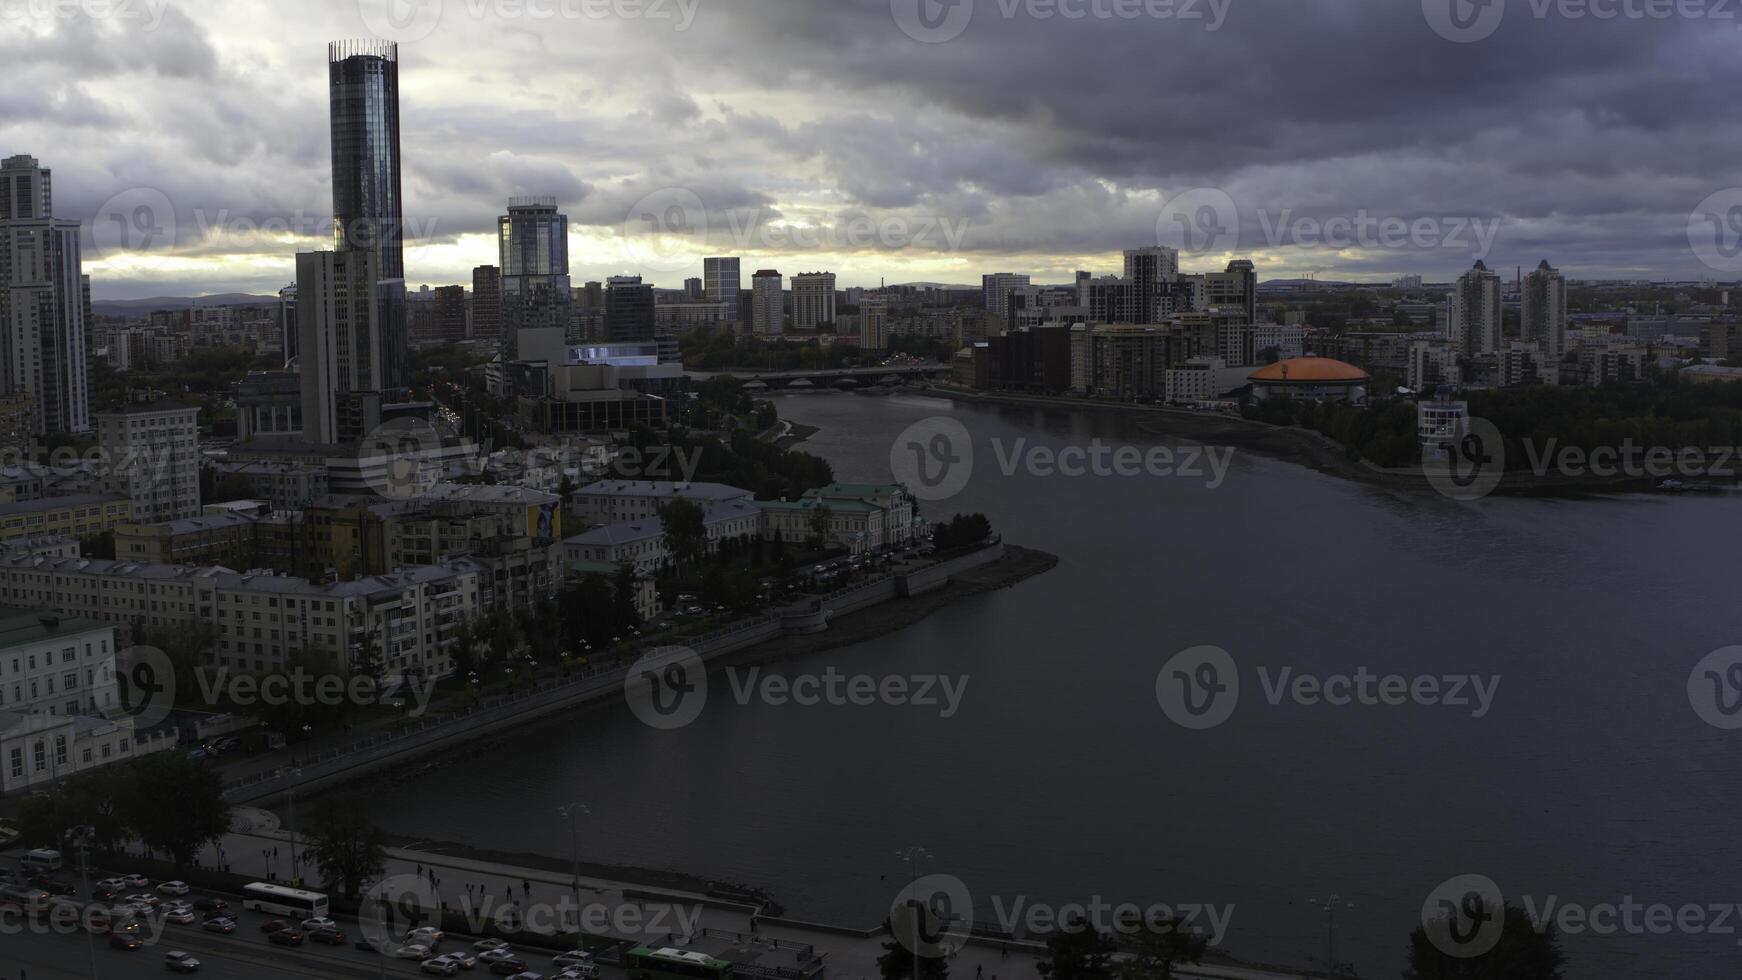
(1590, 780)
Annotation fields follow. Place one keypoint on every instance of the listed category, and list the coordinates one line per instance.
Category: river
(1589, 779)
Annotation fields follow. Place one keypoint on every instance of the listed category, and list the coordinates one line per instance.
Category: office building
(44, 301)
(533, 250)
(767, 304)
(487, 302)
(287, 324)
(720, 281)
(448, 315)
(340, 326)
(629, 313)
(813, 300)
(1238, 286)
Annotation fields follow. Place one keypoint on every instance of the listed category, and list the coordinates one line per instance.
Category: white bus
(288, 902)
(41, 861)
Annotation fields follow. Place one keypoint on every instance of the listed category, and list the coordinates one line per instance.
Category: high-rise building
(44, 301)
(449, 318)
(767, 304)
(720, 281)
(487, 302)
(629, 312)
(1543, 311)
(813, 300)
(533, 242)
(1473, 312)
(287, 323)
(153, 456)
(339, 317)
(995, 289)
(1113, 299)
(1238, 286)
(1151, 270)
(363, 102)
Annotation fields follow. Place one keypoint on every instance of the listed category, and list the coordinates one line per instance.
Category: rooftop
(1310, 370)
(662, 488)
(21, 626)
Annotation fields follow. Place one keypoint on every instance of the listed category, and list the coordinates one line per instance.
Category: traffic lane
(241, 955)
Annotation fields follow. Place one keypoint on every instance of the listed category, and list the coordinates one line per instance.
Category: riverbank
(1303, 447)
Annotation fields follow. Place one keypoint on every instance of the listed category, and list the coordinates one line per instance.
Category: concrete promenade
(663, 915)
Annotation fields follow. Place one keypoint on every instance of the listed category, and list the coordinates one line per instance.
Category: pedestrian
(979, 971)
(420, 870)
(526, 887)
(752, 924)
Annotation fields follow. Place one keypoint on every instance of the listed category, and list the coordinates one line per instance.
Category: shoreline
(1303, 447)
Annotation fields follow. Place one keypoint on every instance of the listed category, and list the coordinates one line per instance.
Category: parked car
(467, 960)
(143, 898)
(502, 951)
(113, 884)
(221, 924)
(173, 888)
(176, 961)
(285, 937)
(580, 971)
(135, 881)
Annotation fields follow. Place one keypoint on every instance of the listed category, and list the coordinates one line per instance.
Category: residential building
(152, 455)
(813, 300)
(343, 308)
(767, 304)
(629, 310)
(1543, 311)
(858, 517)
(1432, 363)
(487, 302)
(618, 501)
(44, 306)
(1150, 270)
(79, 516)
(56, 665)
(1473, 312)
(1238, 286)
(995, 290)
(533, 251)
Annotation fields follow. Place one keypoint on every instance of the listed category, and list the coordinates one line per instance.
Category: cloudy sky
(913, 140)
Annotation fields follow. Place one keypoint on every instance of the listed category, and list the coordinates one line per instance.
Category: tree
(820, 519)
(349, 850)
(962, 531)
(624, 586)
(897, 963)
(1524, 952)
(176, 805)
(1077, 951)
(686, 530)
(1158, 947)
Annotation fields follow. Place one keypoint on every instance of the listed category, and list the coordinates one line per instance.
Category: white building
(44, 300)
(858, 517)
(56, 665)
(1432, 363)
(616, 501)
(767, 304)
(153, 457)
(813, 300)
(1440, 424)
(1473, 312)
(995, 290)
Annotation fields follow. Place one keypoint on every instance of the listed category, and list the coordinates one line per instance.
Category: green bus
(665, 963)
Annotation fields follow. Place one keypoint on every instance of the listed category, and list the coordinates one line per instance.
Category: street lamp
(1330, 904)
(80, 838)
(295, 871)
(914, 855)
(572, 813)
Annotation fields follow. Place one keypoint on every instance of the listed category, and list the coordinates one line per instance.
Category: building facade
(767, 304)
(153, 456)
(813, 300)
(44, 304)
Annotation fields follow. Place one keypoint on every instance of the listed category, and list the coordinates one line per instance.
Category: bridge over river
(830, 378)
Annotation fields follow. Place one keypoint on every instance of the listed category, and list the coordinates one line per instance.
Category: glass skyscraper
(533, 251)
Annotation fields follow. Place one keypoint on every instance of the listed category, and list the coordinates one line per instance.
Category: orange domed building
(1314, 378)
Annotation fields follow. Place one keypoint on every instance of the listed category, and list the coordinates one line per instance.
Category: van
(41, 861)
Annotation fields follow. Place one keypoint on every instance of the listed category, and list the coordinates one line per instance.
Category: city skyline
(991, 170)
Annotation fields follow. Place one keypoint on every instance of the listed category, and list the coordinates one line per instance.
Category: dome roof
(1310, 370)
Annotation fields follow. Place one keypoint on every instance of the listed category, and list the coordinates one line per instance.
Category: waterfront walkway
(847, 955)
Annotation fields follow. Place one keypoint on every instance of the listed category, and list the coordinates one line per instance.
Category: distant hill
(139, 307)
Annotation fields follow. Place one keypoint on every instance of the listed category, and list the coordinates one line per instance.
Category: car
(467, 960)
(318, 922)
(426, 935)
(54, 886)
(574, 957)
(527, 975)
(285, 937)
(508, 967)
(211, 904)
(486, 945)
(501, 951)
(115, 884)
(441, 966)
(216, 913)
(127, 939)
(412, 951)
(135, 881)
(176, 961)
(221, 924)
(143, 898)
(175, 889)
(274, 925)
(580, 971)
(180, 916)
(328, 936)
